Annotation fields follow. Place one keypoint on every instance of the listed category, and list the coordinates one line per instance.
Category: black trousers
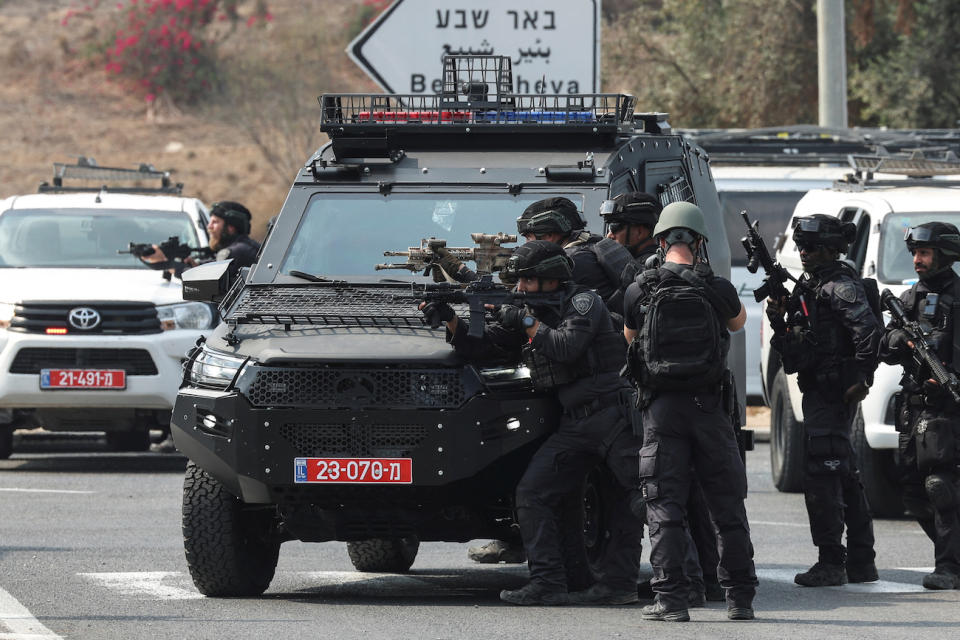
(832, 489)
(930, 448)
(687, 434)
(552, 484)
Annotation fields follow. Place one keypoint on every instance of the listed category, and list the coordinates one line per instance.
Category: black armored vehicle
(323, 407)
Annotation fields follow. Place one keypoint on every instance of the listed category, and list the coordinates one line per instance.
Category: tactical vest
(611, 255)
(605, 355)
(682, 342)
(939, 313)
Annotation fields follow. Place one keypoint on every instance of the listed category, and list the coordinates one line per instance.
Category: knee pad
(940, 491)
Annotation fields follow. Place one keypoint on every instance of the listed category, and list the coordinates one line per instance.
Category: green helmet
(681, 215)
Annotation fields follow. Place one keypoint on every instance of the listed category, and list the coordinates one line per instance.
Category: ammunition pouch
(546, 374)
(936, 441)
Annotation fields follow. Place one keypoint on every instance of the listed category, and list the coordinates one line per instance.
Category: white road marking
(917, 569)
(880, 586)
(17, 490)
(145, 584)
(20, 622)
(780, 524)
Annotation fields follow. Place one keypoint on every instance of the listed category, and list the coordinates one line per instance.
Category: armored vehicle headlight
(214, 369)
(6, 314)
(186, 315)
(505, 374)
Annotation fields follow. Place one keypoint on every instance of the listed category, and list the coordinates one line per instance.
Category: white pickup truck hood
(87, 285)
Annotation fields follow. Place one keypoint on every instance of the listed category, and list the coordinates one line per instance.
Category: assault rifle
(923, 354)
(489, 254)
(483, 292)
(758, 256)
(172, 248)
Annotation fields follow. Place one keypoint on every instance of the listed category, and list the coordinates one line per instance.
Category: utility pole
(832, 63)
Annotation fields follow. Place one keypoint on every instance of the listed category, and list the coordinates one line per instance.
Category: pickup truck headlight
(6, 314)
(185, 315)
(214, 370)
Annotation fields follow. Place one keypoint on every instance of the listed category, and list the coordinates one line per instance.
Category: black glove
(897, 340)
(437, 313)
(856, 393)
(514, 317)
(446, 261)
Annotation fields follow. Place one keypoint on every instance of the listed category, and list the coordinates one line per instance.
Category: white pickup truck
(882, 211)
(91, 339)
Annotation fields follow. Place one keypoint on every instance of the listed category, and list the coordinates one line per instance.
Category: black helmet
(634, 207)
(553, 215)
(821, 229)
(233, 213)
(538, 259)
(936, 235)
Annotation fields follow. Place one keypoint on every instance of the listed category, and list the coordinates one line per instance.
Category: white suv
(882, 211)
(91, 339)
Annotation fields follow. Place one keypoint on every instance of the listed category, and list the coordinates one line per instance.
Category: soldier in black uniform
(676, 318)
(630, 219)
(830, 341)
(574, 348)
(927, 418)
(228, 229)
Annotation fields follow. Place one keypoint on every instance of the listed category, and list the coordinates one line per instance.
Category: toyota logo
(83, 318)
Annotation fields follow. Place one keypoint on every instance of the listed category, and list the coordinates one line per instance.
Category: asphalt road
(90, 547)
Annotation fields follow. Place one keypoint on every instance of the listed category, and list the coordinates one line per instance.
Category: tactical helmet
(942, 236)
(233, 213)
(681, 216)
(553, 215)
(538, 259)
(821, 229)
(635, 207)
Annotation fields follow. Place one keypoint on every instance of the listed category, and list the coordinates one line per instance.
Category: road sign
(554, 46)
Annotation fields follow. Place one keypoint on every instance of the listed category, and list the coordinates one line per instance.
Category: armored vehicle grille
(114, 317)
(136, 362)
(354, 440)
(335, 388)
(337, 304)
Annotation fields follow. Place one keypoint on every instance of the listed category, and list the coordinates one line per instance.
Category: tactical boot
(862, 572)
(498, 551)
(822, 575)
(941, 580)
(657, 611)
(740, 613)
(535, 594)
(600, 594)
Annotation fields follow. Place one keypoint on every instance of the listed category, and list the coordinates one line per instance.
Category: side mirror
(208, 282)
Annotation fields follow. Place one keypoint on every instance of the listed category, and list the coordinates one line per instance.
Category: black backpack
(682, 343)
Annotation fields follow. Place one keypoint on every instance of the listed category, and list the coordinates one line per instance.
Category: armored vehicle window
(346, 234)
(85, 238)
(772, 208)
(896, 263)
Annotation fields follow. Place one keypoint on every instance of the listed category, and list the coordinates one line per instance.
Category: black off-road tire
(383, 555)
(231, 548)
(786, 439)
(878, 474)
(6, 441)
(133, 440)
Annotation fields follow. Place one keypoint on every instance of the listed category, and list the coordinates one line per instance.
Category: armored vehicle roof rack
(919, 166)
(476, 108)
(107, 178)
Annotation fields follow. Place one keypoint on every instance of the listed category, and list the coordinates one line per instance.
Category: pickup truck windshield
(84, 238)
(346, 234)
(896, 263)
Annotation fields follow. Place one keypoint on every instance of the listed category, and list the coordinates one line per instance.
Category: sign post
(554, 46)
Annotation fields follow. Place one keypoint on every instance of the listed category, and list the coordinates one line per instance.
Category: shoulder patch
(583, 302)
(846, 291)
(224, 254)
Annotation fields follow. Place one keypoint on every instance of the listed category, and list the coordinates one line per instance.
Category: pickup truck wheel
(134, 440)
(383, 555)
(6, 441)
(231, 548)
(878, 474)
(786, 439)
